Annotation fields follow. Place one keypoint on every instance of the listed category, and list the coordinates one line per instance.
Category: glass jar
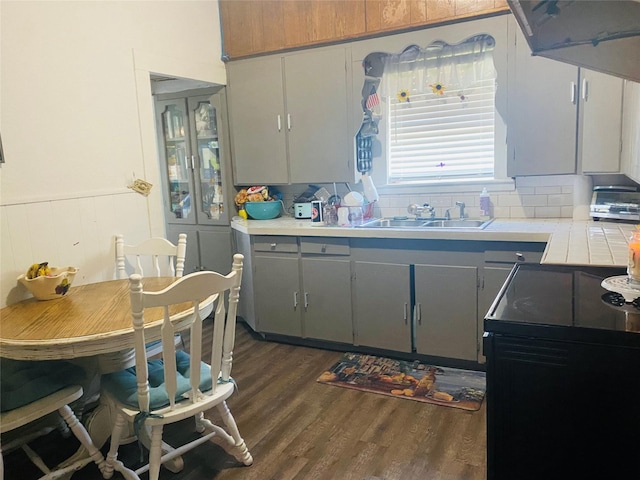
(633, 267)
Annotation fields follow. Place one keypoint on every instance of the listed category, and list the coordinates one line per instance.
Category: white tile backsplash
(534, 197)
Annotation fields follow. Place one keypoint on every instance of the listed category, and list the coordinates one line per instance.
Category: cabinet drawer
(275, 243)
(513, 256)
(325, 246)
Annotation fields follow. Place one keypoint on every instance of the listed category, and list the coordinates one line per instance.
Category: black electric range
(560, 302)
(563, 376)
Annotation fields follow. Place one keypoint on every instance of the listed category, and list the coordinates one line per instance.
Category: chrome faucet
(447, 214)
(417, 210)
(461, 205)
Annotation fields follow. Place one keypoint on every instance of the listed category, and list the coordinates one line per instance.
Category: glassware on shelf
(205, 119)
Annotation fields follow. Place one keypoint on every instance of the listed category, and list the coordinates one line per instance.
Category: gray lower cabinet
(302, 291)
(382, 305)
(208, 248)
(445, 311)
(327, 299)
(428, 297)
(442, 318)
(277, 295)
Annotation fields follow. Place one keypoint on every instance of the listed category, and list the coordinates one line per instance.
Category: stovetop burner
(617, 300)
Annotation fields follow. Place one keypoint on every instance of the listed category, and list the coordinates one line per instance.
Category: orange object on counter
(633, 267)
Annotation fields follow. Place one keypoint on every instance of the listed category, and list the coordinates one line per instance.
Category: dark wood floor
(298, 429)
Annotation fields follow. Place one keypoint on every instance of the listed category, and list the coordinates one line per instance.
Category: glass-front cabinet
(193, 147)
(194, 172)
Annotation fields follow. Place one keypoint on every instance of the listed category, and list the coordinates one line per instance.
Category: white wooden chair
(166, 258)
(57, 401)
(161, 256)
(156, 393)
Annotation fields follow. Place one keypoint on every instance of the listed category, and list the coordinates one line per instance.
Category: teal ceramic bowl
(264, 210)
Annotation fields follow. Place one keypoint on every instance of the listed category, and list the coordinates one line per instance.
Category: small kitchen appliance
(302, 203)
(615, 202)
(302, 209)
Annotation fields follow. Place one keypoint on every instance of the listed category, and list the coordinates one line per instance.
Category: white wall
(77, 124)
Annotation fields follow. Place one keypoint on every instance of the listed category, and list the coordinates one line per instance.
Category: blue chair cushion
(23, 381)
(122, 384)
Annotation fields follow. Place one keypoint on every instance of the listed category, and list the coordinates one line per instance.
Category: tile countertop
(569, 242)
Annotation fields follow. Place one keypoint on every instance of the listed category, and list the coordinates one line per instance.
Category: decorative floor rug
(413, 380)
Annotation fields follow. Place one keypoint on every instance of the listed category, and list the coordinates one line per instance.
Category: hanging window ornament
(438, 88)
(403, 96)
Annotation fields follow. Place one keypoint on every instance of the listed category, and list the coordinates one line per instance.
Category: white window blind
(448, 135)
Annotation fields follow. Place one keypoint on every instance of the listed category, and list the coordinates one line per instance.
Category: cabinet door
(246, 305)
(277, 295)
(327, 299)
(320, 142)
(542, 113)
(630, 155)
(600, 122)
(215, 250)
(446, 311)
(205, 128)
(257, 121)
(173, 128)
(382, 304)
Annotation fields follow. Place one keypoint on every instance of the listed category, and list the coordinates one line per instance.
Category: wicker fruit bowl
(52, 286)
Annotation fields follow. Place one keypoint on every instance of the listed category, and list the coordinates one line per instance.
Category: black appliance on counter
(563, 377)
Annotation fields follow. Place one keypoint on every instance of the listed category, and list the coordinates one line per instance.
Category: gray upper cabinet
(600, 123)
(542, 109)
(256, 118)
(561, 119)
(289, 118)
(630, 151)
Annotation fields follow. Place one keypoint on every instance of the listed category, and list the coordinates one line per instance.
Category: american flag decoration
(373, 99)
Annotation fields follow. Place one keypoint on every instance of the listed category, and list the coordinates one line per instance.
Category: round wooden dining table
(91, 325)
(90, 320)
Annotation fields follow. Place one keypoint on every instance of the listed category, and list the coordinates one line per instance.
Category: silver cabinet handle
(273, 246)
(193, 163)
(406, 316)
(573, 92)
(279, 123)
(419, 313)
(186, 162)
(306, 300)
(585, 89)
(295, 300)
(520, 256)
(289, 121)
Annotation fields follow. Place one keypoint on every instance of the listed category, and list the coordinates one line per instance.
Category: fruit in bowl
(48, 283)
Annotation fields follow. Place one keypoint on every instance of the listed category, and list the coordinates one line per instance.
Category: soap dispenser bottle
(485, 203)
